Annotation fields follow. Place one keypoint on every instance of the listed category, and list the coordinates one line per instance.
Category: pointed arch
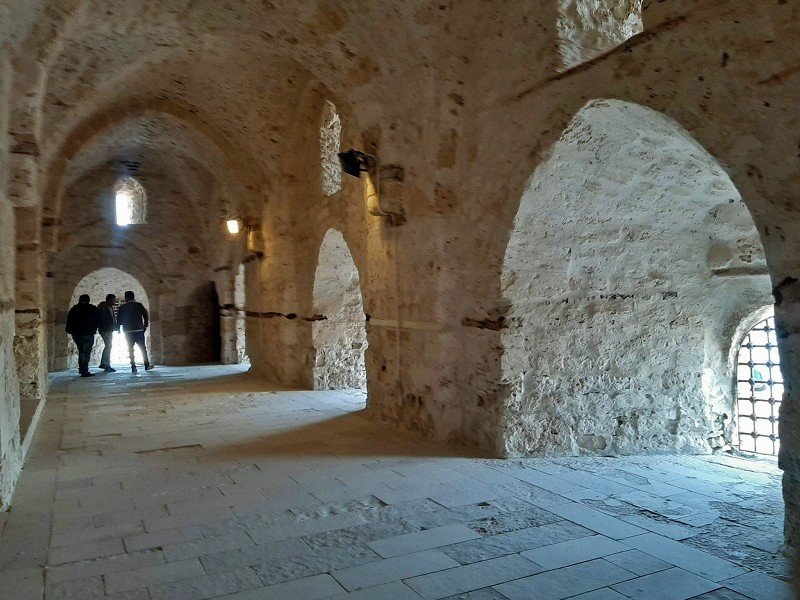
(631, 260)
(338, 330)
(97, 284)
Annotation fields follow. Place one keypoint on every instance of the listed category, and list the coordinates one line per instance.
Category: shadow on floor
(347, 435)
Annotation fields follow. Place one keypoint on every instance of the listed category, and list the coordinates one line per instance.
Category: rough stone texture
(221, 105)
(618, 335)
(10, 443)
(330, 136)
(339, 333)
(590, 28)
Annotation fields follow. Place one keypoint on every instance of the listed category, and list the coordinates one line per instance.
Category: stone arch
(230, 159)
(631, 261)
(338, 331)
(135, 261)
(99, 283)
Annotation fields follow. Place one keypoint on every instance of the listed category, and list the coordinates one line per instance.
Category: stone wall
(30, 346)
(240, 306)
(10, 443)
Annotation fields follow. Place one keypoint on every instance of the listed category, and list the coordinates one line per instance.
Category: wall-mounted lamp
(254, 240)
(355, 163)
(234, 225)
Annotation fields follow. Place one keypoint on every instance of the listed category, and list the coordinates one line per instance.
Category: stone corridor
(206, 482)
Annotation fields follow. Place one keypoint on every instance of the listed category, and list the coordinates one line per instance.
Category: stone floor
(190, 483)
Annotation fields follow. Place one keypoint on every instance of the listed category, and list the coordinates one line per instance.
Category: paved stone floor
(190, 483)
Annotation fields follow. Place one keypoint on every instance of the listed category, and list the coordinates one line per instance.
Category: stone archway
(631, 262)
(338, 331)
(98, 284)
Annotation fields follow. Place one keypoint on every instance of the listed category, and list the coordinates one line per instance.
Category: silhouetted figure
(133, 319)
(108, 325)
(83, 320)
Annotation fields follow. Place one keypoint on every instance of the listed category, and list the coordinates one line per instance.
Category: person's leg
(85, 353)
(140, 342)
(129, 337)
(78, 344)
(105, 360)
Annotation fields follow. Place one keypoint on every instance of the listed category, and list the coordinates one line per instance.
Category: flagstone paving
(205, 482)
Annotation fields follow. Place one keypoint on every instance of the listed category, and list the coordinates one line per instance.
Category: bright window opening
(330, 138)
(130, 202)
(760, 389)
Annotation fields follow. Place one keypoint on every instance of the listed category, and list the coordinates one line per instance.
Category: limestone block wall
(30, 345)
(10, 443)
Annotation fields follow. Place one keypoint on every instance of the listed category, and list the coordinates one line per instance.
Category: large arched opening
(98, 285)
(339, 330)
(631, 263)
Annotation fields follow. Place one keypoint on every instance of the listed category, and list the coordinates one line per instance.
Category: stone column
(787, 319)
(10, 446)
(227, 326)
(29, 339)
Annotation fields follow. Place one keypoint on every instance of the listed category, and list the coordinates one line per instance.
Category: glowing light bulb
(234, 226)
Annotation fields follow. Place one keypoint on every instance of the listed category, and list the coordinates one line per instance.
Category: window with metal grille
(760, 389)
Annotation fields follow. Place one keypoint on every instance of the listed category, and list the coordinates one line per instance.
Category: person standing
(83, 320)
(133, 319)
(108, 325)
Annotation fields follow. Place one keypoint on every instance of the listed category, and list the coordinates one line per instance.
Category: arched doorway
(203, 340)
(98, 284)
(631, 260)
(338, 330)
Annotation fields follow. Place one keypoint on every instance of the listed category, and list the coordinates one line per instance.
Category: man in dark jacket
(82, 322)
(133, 319)
(108, 325)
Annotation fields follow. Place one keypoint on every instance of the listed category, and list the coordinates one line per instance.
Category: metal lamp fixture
(354, 162)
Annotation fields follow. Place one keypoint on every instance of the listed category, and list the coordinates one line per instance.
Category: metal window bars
(760, 389)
